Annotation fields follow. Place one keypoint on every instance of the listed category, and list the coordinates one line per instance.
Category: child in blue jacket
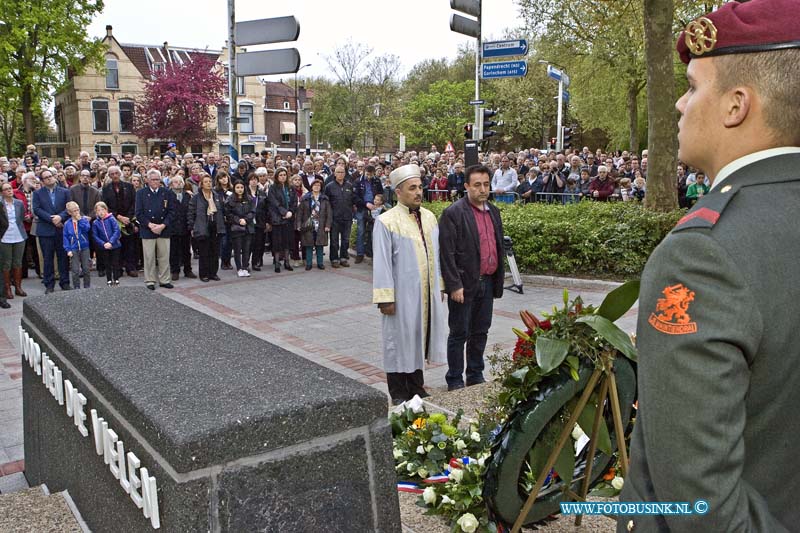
(105, 232)
(76, 244)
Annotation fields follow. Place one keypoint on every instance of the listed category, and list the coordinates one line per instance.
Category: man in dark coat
(340, 193)
(155, 212)
(365, 188)
(180, 246)
(471, 249)
(50, 207)
(120, 197)
(719, 347)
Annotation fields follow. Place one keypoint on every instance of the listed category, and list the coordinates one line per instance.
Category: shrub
(587, 239)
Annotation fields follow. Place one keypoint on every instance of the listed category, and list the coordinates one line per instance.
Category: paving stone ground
(325, 316)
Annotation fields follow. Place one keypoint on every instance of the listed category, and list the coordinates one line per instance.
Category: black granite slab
(199, 390)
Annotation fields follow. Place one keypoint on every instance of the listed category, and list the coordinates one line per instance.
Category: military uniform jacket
(157, 207)
(719, 360)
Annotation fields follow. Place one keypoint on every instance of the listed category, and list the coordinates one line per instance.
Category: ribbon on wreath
(414, 487)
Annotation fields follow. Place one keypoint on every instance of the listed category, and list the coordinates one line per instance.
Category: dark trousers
(257, 247)
(128, 253)
(240, 243)
(50, 246)
(368, 236)
(295, 252)
(403, 386)
(31, 256)
(340, 239)
(180, 254)
(111, 262)
(208, 249)
(310, 250)
(225, 246)
(469, 322)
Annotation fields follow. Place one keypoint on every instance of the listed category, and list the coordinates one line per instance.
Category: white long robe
(405, 273)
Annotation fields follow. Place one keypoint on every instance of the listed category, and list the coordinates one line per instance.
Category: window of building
(197, 149)
(285, 138)
(223, 119)
(60, 152)
(102, 149)
(240, 88)
(112, 74)
(126, 116)
(286, 105)
(246, 116)
(248, 149)
(129, 149)
(100, 116)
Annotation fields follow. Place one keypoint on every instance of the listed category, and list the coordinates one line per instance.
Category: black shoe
(423, 394)
(175, 276)
(204, 280)
(166, 285)
(190, 275)
(277, 267)
(66, 288)
(4, 304)
(133, 274)
(451, 388)
(308, 267)
(359, 259)
(215, 278)
(49, 290)
(477, 382)
(257, 268)
(344, 263)
(321, 267)
(288, 266)
(226, 266)
(151, 286)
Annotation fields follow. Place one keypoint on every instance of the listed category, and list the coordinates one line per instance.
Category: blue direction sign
(565, 96)
(517, 47)
(504, 69)
(557, 75)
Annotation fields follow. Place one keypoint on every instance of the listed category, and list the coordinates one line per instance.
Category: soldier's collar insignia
(671, 315)
(701, 36)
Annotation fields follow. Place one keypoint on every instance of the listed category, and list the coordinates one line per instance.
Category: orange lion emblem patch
(672, 315)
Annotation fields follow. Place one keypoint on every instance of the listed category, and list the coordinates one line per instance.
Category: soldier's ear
(737, 103)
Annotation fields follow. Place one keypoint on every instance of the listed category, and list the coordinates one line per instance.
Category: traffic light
(486, 123)
(567, 139)
(468, 132)
(553, 141)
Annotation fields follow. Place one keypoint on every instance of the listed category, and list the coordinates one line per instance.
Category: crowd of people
(122, 215)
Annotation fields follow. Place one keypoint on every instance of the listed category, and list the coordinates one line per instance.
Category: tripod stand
(608, 389)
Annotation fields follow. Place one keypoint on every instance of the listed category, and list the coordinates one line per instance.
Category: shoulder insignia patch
(671, 316)
(704, 217)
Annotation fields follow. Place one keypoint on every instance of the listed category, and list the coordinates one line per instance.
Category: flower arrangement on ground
(450, 461)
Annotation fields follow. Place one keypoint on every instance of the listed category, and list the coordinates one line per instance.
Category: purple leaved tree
(177, 102)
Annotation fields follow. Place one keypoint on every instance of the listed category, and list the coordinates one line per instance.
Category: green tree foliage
(42, 40)
(439, 114)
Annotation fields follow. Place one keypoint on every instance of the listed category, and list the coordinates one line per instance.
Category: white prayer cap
(401, 174)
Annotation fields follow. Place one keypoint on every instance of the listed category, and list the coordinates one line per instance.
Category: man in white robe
(407, 286)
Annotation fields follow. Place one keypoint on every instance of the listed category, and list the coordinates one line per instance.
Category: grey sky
(414, 30)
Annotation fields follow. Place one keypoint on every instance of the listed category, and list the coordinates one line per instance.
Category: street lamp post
(297, 112)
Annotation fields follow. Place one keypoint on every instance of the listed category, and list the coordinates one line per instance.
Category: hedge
(610, 240)
(587, 239)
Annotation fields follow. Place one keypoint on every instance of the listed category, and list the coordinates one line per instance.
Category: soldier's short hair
(774, 81)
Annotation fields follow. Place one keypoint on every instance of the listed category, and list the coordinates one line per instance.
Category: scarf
(212, 207)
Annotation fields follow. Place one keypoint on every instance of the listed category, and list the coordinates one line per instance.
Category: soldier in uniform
(719, 349)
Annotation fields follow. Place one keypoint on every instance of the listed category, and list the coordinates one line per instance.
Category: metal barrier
(570, 197)
(442, 195)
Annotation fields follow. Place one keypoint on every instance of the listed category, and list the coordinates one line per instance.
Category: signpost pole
(478, 117)
(559, 132)
(232, 114)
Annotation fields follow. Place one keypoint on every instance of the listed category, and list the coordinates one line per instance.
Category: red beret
(741, 28)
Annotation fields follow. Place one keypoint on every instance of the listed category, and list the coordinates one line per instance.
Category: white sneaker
(246, 273)
(240, 273)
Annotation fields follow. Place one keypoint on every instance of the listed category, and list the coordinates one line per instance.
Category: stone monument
(155, 416)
